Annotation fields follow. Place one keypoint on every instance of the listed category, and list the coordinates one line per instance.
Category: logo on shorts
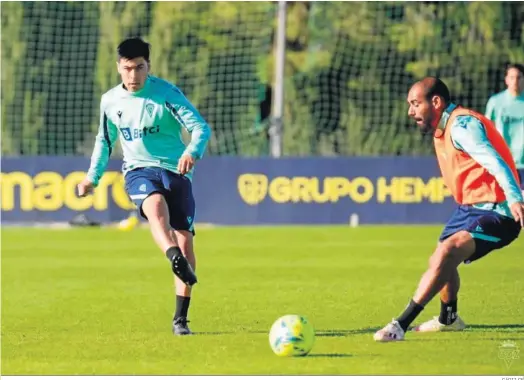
(142, 187)
(190, 223)
(509, 352)
(479, 229)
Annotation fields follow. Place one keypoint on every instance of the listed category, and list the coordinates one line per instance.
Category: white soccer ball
(291, 335)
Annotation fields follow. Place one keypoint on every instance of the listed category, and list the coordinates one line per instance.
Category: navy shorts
(489, 229)
(176, 189)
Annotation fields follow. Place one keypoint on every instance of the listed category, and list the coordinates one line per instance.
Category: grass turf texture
(100, 301)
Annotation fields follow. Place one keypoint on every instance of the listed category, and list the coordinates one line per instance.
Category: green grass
(100, 301)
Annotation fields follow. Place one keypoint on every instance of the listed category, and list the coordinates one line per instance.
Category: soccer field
(100, 301)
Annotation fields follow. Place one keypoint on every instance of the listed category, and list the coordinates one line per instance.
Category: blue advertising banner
(237, 191)
(43, 189)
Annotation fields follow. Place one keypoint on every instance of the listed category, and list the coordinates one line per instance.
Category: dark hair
(133, 48)
(437, 87)
(517, 66)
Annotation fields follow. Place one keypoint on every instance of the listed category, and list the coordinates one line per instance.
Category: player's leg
(480, 232)
(145, 188)
(449, 292)
(184, 241)
(442, 266)
(396, 329)
(449, 299)
(156, 211)
(490, 231)
(182, 212)
(183, 291)
(448, 320)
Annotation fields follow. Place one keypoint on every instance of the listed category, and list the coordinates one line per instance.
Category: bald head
(428, 98)
(432, 86)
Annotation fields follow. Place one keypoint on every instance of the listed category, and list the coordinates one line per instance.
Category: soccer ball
(291, 335)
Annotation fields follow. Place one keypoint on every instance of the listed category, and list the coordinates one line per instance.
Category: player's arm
(468, 134)
(490, 109)
(187, 115)
(104, 143)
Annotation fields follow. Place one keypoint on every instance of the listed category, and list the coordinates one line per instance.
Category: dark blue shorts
(176, 189)
(489, 229)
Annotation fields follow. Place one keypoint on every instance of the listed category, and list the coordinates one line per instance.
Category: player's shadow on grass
(473, 329)
(494, 327)
(324, 333)
(231, 332)
(328, 356)
(217, 333)
(368, 330)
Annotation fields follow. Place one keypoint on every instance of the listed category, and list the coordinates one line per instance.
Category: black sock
(182, 306)
(448, 312)
(172, 252)
(409, 315)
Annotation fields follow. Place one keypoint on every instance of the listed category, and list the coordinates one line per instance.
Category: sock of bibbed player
(182, 306)
(448, 312)
(412, 311)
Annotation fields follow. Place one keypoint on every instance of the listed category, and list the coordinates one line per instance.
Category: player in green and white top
(147, 115)
(506, 109)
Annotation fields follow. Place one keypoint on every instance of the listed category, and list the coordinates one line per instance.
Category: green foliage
(348, 68)
(47, 76)
(213, 51)
(355, 66)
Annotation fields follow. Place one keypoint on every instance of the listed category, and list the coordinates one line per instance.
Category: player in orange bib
(478, 168)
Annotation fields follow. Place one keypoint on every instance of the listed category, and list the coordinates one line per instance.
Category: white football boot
(434, 325)
(390, 333)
